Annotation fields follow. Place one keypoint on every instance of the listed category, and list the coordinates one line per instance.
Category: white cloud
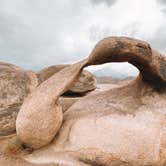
(38, 33)
(107, 2)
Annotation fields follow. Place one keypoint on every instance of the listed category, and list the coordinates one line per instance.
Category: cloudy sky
(38, 33)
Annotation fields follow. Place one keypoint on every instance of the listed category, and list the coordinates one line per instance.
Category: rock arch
(40, 117)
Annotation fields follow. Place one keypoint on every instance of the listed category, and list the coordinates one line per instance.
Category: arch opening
(114, 70)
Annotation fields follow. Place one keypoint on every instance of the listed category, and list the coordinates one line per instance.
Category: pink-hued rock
(15, 85)
(48, 126)
(39, 118)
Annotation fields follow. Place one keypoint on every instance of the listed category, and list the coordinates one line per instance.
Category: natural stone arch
(40, 117)
(149, 62)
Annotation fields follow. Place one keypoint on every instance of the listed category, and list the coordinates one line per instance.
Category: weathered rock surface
(122, 126)
(33, 125)
(84, 83)
(67, 101)
(47, 128)
(15, 85)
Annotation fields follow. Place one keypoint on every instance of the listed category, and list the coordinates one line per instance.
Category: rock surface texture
(121, 126)
(15, 85)
(84, 83)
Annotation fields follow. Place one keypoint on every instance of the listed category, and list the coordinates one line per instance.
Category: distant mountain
(110, 80)
(109, 72)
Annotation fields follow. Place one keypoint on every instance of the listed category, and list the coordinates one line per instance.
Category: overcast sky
(38, 33)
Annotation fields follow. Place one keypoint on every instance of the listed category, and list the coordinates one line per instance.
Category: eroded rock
(15, 85)
(123, 126)
(33, 125)
(84, 83)
(47, 128)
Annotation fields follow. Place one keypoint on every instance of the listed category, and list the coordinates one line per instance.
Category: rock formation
(84, 83)
(15, 85)
(122, 126)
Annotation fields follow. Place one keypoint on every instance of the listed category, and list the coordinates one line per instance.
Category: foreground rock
(122, 126)
(15, 85)
(34, 126)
